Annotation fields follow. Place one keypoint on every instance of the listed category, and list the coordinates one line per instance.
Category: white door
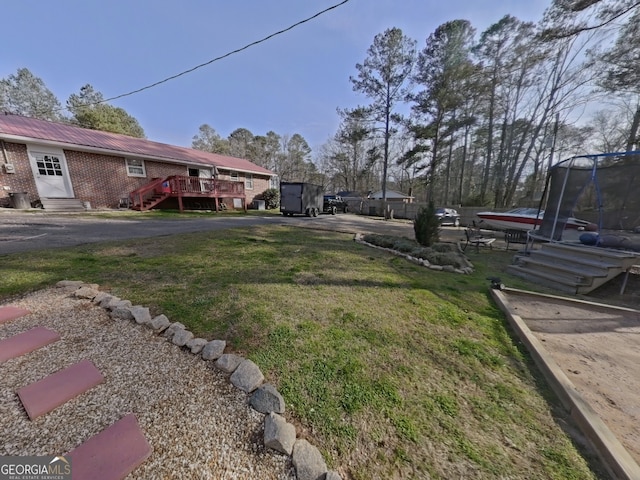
(51, 174)
(206, 185)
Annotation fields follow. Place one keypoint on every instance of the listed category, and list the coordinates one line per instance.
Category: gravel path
(197, 423)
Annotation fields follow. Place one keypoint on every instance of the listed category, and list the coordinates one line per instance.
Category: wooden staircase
(62, 205)
(149, 202)
(572, 268)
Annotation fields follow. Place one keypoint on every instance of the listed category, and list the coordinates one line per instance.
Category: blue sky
(292, 83)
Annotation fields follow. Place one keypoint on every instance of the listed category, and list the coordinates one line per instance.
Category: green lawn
(392, 370)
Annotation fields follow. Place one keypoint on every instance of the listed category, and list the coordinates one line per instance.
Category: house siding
(99, 179)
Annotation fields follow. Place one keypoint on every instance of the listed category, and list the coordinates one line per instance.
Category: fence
(375, 208)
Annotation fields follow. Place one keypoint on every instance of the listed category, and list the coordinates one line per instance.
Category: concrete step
(560, 256)
(63, 204)
(563, 283)
(591, 252)
(568, 266)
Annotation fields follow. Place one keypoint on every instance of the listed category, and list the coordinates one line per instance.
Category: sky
(292, 83)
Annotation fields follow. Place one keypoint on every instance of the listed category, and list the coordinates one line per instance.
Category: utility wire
(233, 52)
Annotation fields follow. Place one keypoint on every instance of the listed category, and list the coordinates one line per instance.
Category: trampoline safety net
(601, 189)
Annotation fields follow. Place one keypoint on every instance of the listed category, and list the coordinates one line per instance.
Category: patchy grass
(393, 370)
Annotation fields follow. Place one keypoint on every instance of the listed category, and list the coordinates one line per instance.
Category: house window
(135, 167)
(248, 181)
(49, 165)
(273, 182)
(233, 176)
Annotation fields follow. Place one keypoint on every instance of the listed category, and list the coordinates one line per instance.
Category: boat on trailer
(525, 219)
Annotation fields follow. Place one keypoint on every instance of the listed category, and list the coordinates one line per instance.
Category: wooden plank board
(26, 342)
(44, 395)
(111, 454)
(10, 312)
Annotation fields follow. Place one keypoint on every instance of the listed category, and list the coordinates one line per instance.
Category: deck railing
(181, 186)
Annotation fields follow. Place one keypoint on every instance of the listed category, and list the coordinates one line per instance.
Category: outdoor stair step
(10, 312)
(63, 204)
(26, 342)
(563, 257)
(592, 251)
(113, 453)
(569, 267)
(564, 283)
(52, 391)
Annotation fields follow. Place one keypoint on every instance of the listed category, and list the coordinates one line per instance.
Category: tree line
(478, 119)
(288, 156)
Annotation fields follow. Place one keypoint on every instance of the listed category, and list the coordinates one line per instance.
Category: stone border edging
(613, 454)
(358, 238)
(244, 375)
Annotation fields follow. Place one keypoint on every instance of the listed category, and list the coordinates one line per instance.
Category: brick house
(49, 160)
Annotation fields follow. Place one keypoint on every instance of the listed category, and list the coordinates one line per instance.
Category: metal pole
(553, 143)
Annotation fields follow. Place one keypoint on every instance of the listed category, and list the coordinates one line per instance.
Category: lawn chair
(474, 237)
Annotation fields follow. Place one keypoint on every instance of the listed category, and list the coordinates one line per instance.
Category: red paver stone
(26, 342)
(10, 312)
(111, 454)
(44, 395)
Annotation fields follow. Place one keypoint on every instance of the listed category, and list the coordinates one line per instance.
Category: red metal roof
(32, 128)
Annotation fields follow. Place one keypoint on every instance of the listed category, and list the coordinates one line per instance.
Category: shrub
(404, 245)
(426, 226)
(448, 258)
(380, 240)
(271, 197)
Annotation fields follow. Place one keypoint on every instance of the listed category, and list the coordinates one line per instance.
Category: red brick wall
(20, 181)
(260, 184)
(102, 180)
(99, 179)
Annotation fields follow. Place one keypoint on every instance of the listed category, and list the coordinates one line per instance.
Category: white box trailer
(298, 198)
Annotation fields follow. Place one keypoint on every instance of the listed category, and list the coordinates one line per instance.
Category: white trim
(129, 166)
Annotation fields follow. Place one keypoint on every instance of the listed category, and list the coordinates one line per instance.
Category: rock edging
(244, 375)
(466, 270)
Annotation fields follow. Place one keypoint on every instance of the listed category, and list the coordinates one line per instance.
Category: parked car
(334, 204)
(448, 216)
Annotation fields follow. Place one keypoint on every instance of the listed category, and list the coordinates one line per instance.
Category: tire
(314, 212)
(345, 209)
(334, 210)
(309, 212)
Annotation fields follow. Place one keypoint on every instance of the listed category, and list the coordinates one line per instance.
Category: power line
(233, 52)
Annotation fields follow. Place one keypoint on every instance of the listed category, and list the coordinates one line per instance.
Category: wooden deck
(193, 193)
